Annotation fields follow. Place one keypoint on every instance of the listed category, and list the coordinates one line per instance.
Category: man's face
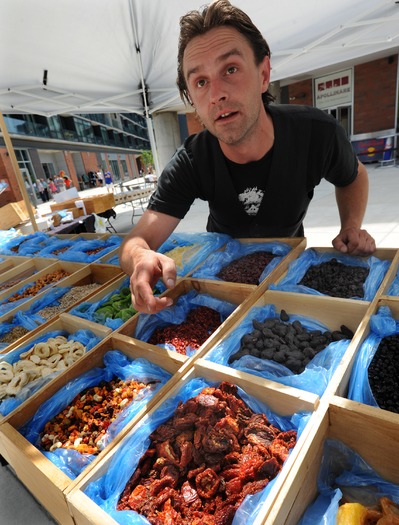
(224, 83)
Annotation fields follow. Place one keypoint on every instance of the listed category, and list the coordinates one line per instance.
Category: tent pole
(153, 145)
(17, 171)
(144, 92)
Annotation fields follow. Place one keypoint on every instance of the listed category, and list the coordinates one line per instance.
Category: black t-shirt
(308, 145)
(249, 181)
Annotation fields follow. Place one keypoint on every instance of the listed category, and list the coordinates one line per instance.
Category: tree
(147, 158)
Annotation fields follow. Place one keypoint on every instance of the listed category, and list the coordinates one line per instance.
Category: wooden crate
(94, 204)
(384, 254)
(284, 401)
(42, 477)
(13, 214)
(8, 262)
(81, 274)
(239, 295)
(34, 270)
(57, 206)
(99, 203)
(373, 435)
(341, 381)
(330, 311)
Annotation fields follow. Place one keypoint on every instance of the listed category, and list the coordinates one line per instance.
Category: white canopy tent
(102, 56)
(120, 55)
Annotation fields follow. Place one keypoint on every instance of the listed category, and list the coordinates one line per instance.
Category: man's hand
(354, 241)
(149, 267)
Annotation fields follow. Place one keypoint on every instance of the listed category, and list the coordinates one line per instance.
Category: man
(256, 163)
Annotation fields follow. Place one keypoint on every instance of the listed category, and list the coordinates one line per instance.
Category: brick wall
(301, 93)
(375, 93)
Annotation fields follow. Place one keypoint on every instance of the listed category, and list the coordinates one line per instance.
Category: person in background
(100, 177)
(68, 182)
(256, 163)
(93, 179)
(52, 186)
(40, 189)
(45, 186)
(85, 180)
(59, 182)
(109, 182)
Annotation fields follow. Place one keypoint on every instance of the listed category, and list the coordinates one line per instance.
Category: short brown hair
(217, 14)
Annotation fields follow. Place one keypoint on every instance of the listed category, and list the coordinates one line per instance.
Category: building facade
(363, 96)
(75, 145)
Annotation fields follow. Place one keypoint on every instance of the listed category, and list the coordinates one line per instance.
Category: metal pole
(153, 145)
(17, 171)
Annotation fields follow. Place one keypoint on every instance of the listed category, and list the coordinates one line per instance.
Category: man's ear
(265, 69)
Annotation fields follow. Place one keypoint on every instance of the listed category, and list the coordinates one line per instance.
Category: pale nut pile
(43, 359)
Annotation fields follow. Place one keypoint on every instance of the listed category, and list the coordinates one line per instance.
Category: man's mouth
(226, 115)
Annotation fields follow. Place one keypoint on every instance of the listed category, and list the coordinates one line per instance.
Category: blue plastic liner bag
(106, 490)
(6, 305)
(317, 373)
(20, 319)
(176, 314)
(78, 252)
(87, 310)
(116, 364)
(30, 319)
(5, 237)
(8, 404)
(345, 474)
(382, 325)
(203, 244)
(394, 287)
(15, 245)
(34, 245)
(298, 268)
(55, 249)
(234, 250)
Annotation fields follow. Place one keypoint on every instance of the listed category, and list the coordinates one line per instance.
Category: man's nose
(217, 91)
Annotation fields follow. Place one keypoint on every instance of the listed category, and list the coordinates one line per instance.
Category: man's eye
(231, 70)
(200, 83)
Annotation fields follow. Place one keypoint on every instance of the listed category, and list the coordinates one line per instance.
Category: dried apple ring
(6, 376)
(15, 385)
(24, 365)
(26, 354)
(46, 371)
(3, 392)
(42, 350)
(53, 347)
(52, 361)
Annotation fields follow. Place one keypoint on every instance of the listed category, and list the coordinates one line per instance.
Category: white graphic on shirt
(251, 199)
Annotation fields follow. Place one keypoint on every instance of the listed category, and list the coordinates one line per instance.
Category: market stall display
(249, 337)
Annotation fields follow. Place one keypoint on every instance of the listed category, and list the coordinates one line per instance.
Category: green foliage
(147, 158)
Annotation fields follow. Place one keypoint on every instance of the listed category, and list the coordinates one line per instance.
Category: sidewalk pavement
(322, 220)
